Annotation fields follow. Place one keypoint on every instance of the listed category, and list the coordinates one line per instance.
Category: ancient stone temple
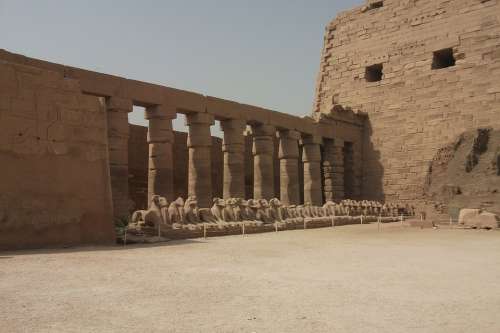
(71, 162)
(398, 81)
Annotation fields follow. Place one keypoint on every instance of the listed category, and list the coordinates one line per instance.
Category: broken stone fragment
(476, 218)
(467, 214)
(485, 220)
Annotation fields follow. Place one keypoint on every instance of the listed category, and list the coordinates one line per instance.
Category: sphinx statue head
(191, 210)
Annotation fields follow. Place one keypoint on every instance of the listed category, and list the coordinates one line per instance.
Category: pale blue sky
(260, 52)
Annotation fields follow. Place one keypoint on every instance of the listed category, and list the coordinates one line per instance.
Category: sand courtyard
(343, 279)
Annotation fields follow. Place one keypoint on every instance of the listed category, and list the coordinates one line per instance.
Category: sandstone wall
(54, 174)
(413, 110)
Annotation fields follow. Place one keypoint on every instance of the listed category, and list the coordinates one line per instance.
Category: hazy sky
(260, 52)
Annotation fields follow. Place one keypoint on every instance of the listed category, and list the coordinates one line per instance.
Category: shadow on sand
(98, 248)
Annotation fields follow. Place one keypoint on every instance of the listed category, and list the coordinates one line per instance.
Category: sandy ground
(345, 279)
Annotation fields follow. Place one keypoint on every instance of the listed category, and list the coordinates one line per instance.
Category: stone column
(311, 156)
(233, 148)
(118, 134)
(337, 169)
(328, 168)
(289, 167)
(160, 140)
(358, 169)
(348, 171)
(263, 149)
(199, 143)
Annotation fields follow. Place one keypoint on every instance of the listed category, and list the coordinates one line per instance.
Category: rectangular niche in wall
(443, 58)
(374, 73)
(376, 4)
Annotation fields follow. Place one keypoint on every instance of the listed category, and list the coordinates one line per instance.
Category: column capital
(311, 152)
(338, 142)
(288, 144)
(119, 104)
(311, 140)
(233, 124)
(263, 130)
(160, 130)
(160, 111)
(233, 134)
(199, 118)
(289, 134)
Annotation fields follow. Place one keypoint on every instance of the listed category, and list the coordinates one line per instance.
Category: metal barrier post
(243, 229)
(204, 230)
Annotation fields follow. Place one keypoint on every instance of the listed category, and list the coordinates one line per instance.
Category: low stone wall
(201, 230)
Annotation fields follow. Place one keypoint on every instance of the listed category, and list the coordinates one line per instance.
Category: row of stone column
(320, 180)
(199, 178)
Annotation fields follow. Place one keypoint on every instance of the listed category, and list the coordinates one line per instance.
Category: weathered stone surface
(333, 169)
(139, 160)
(156, 215)
(55, 184)
(200, 172)
(476, 218)
(160, 140)
(237, 216)
(289, 167)
(118, 134)
(311, 157)
(485, 220)
(415, 108)
(263, 148)
(467, 214)
(234, 158)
